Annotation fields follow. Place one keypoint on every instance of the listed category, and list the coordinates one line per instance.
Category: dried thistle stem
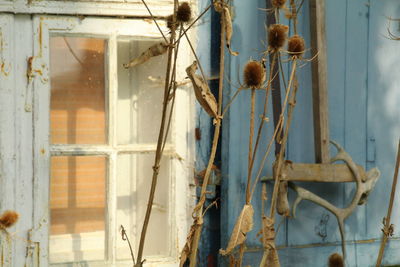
(251, 134)
(195, 55)
(266, 154)
(252, 153)
(160, 142)
(285, 136)
(158, 26)
(231, 101)
(197, 234)
(260, 127)
(126, 238)
(278, 128)
(389, 211)
(172, 87)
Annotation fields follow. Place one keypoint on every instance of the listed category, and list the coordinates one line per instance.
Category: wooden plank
(355, 107)
(276, 82)
(7, 134)
(310, 215)
(319, 81)
(22, 49)
(329, 173)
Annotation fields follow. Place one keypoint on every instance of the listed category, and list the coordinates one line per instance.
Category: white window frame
(88, 7)
(181, 150)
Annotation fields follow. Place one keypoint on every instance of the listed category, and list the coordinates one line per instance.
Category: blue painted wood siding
(364, 116)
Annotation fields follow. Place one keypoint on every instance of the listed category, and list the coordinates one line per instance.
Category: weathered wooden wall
(364, 113)
(16, 168)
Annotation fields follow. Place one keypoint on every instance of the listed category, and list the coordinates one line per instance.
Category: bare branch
(158, 26)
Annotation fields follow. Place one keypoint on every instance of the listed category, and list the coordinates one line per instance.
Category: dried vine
(198, 210)
(170, 87)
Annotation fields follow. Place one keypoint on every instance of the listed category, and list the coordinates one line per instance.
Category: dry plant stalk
(198, 210)
(254, 76)
(270, 256)
(277, 38)
(296, 49)
(277, 34)
(125, 237)
(186, 252)
(279, 161)
(279, 196)
(164, 127)
(387, 227)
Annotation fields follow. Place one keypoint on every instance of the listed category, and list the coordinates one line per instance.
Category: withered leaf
(270, 257)
(222, 8)
(268, 231)
(203, 93)
(189, 240)
(229, 30)
(186, 249)
(243, 225)
(152, 51)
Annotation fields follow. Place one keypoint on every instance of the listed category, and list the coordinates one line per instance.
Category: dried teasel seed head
(277, 34)
(170, 21)
(296, 46)
(8, 218)
(254, 74)
(335, 260)
(184, 12)
(278, 3)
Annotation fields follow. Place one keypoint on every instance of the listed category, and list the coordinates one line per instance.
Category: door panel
(364, 108)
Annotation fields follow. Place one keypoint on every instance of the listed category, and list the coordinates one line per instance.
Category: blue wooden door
(364, 117)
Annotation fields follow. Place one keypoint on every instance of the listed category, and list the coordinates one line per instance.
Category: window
(99, 122)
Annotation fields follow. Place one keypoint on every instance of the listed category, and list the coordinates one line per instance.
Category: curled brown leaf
(203, 93)
(244, 224)
(153, 51)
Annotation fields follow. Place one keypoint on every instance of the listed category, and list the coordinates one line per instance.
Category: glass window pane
(140, 93)
(134, 179)
(77, 206)
(77, 74)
